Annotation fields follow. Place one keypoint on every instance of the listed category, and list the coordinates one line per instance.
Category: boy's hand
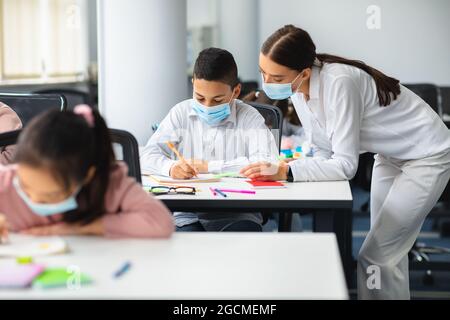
(3, 229)
(200, 165)
(266, 171)
(182, 170)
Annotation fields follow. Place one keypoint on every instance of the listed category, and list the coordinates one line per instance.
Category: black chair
(27, 106)
(130, 151)
(9, 138)
(74, 97)
(445, 99)
(247, 87)
(429, 93)
(274, 121)
(127, 142)
(273, 118)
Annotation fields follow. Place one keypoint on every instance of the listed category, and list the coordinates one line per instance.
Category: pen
(213, 191)
(220, 192)
(238, 191)
(123, 269)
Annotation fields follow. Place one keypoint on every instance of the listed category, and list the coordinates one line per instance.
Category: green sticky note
(60, 277)
(24, 260)
(228, 175)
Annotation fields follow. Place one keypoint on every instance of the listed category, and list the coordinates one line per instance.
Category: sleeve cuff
(295, 170)
(165, 170)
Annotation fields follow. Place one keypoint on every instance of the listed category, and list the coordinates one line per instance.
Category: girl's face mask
(47, 209)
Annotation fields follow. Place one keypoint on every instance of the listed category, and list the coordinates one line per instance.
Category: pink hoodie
(9, 121)
(130, 210)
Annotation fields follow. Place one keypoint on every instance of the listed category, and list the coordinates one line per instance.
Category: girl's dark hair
(293, 47)
(67, 146)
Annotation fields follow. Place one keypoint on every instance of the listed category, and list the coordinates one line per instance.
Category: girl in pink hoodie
(67, 181)
(9, 121)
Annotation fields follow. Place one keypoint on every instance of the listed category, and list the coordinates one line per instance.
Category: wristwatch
(290, 176)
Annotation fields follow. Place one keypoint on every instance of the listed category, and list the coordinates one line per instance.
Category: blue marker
(221, 193)
(125, 267)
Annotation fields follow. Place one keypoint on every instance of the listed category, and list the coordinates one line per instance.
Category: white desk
(202, 266)
(317, 193)
(330, 202)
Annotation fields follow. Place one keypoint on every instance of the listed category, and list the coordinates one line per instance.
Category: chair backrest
(9, 138)
(128, 146)
(27, 106)
(129, 151)
(445, 99)
(74, 97)
(247, 87)
(273, 117)
(429, 93)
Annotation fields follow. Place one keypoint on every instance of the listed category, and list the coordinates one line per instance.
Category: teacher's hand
(266, 171)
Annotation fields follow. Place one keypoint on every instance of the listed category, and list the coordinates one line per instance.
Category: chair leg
(285, 222)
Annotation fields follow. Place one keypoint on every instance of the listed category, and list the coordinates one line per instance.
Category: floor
(435, 287)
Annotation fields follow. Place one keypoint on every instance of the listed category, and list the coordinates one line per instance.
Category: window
(43, 41)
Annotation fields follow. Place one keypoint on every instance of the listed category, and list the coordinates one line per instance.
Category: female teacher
(346, 108)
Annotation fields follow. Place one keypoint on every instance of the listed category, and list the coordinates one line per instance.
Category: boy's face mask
(47, 209)
(212, 115)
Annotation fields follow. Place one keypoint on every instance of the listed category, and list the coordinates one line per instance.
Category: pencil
(179, 155)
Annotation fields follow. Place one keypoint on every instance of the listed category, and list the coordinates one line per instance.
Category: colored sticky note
(20, 275)
(60, 277)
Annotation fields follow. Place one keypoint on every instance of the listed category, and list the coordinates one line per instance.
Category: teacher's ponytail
(293, 47)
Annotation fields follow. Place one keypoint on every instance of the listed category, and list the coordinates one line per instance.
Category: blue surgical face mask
(212, 115)
(279, 91)
(47, 209)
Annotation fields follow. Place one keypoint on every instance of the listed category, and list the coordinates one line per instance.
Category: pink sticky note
(19, 276)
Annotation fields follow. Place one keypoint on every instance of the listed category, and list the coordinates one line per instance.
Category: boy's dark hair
(65, 144)
(214, 64)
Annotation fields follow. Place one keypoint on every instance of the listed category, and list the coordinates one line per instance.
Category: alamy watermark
(373, 21)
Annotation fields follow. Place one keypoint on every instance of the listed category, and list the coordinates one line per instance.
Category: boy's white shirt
(240, 139)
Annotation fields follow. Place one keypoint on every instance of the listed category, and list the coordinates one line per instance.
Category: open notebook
(23, 245)
(202, 177)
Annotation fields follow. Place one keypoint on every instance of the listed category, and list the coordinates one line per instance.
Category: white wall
(92, 29)
(235, 24)
(142, 62)
(201, 13)
(238, 33)
(413, 43)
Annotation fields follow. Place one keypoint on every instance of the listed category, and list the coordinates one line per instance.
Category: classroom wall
(235, 28)
(238, 33)
(142, 62)
(92, 29)
(412, 43)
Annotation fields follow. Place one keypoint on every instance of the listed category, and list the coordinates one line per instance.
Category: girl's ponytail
(91, 203)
